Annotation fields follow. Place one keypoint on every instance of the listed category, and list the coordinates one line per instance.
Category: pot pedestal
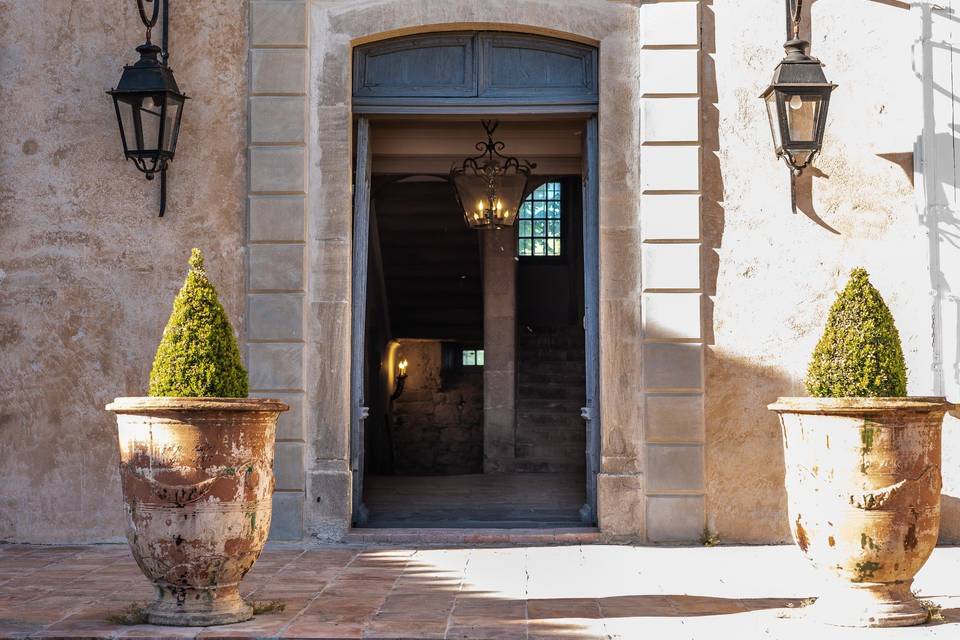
(868, 604)
(198, 607)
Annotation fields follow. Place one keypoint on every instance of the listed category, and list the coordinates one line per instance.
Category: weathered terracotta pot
(863, 485)
(197, 476)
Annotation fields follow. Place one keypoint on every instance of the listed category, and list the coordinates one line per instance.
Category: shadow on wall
(746, 501)
(938, 173)
(746, 498)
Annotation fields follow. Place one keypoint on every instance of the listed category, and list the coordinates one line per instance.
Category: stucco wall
(87, 270)
(770, 275)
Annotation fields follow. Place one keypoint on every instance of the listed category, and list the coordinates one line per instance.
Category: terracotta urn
(863, 487)
(197, 478)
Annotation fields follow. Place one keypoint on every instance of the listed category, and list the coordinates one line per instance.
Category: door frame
(476, 102)
(362, 208)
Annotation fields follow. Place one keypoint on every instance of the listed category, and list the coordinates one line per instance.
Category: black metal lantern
(797, 101)
(490, 186)
(149, 105)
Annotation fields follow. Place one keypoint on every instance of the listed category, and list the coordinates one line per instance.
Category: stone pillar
(499, 344)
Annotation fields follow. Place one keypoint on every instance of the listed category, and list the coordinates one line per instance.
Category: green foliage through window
(539, 222)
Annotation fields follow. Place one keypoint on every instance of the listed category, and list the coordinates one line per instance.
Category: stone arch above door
(652, 484)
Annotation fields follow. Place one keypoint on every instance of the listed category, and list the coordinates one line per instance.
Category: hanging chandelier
(490, 186)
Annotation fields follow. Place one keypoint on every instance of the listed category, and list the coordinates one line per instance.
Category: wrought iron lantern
(797, 99)
(149, 104)
(491, 186)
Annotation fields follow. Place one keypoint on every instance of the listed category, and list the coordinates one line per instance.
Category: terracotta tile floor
(579, 591)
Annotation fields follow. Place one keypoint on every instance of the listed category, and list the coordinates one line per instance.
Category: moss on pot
(859, 354)
(198, 355)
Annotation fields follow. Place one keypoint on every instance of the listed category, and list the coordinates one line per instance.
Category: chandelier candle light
(490, 186)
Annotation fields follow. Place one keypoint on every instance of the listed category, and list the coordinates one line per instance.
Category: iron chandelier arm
(490, 153)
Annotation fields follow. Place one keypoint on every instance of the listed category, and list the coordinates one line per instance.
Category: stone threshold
(479, 536)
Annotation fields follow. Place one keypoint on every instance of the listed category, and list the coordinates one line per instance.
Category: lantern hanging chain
(150, 22)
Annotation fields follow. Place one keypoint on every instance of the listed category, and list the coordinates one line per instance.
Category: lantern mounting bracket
(794, 18)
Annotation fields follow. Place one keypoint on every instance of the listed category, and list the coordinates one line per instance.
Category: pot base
(869, 605)
(198, 608)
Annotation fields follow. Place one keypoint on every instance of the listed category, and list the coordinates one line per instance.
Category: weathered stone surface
(671, 316)
(275, 366)
(674, 418)
(287, 523)
(277, 119)
(675, 518)
(278, 23)
(670, 216)
(670, 119)
(277, 218)
(278, 71)
(620, 505)
(671, 266)
(275, 316)
(672, 366)
(288, 466)
(276, 266)
(87, 270)
(675, 468)
(669, 71)
(277, 169)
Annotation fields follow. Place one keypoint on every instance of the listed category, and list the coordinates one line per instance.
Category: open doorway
(474, 350)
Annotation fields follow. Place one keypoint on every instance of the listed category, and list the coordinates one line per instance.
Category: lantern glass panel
(774, 119)
(149, 114)
(472, 190)
(171, 125)
(802, 113)
(127, 127)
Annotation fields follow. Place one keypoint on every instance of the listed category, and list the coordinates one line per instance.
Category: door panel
(361, 241)
(591, 314)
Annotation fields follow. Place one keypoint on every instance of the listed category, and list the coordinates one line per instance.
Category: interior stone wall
(88, 272)
(437, 423)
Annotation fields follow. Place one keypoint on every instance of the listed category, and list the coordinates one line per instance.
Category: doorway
(474, 370)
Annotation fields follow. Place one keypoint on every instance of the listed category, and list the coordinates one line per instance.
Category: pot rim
(852, 405)
(137, 404)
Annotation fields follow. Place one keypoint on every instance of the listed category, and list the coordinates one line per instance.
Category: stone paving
(576, 591)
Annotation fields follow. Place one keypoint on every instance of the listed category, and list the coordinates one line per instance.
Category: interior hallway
(509, 500)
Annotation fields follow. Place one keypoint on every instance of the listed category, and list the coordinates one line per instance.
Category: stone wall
(770, 275)
(88, 271)
(437, 424)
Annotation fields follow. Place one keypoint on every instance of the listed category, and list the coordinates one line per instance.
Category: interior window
(539, 222)
(472, 357)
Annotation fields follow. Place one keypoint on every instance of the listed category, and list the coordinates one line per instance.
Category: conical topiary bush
(859, 354)
(198, 354)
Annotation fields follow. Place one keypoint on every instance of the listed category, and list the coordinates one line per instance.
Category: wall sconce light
(797, 99)
(149, 104)
(401, 379)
